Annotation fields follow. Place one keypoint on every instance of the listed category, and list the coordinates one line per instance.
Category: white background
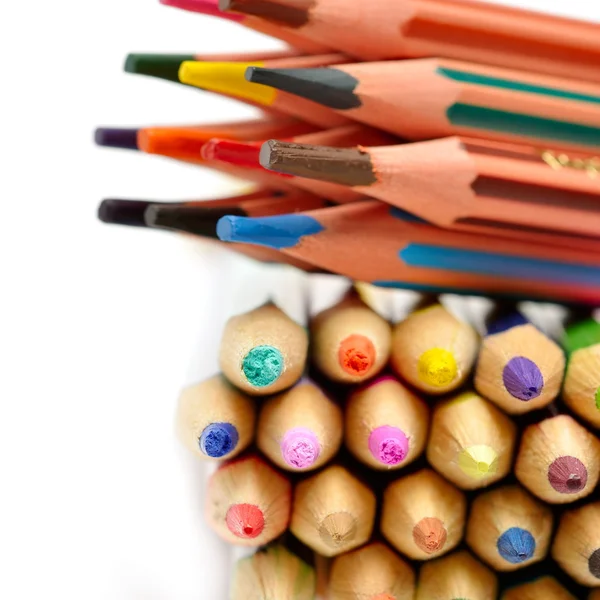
(98, 323)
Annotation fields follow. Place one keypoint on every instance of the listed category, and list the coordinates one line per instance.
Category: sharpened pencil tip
(114, 137)
(522, 378)
(225, 78)
(516, 545)
(162, 66)
(430, 535)
(324, 85)
(280, 231)
(204, 7)
(123, 212)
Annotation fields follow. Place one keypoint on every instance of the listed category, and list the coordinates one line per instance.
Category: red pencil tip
(235, 153)
(356, 355)
(245, 520)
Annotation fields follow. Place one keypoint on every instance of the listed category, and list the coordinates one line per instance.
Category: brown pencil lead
(347, 166)
(290, 16)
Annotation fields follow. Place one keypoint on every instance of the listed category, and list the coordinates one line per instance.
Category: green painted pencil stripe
(517, 86)
(479, 117)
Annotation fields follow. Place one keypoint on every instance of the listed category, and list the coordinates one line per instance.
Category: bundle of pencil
(449, 148)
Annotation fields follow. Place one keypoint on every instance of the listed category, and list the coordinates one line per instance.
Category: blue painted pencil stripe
(517, 86)
(499, 265)
(279, 231)
(506, 322)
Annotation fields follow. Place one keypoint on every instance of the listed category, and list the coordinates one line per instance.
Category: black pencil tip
(162, 66)
(123, 212)
(113, 137)
(326, 86)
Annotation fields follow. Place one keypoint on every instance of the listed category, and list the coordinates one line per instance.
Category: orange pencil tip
(356, 355)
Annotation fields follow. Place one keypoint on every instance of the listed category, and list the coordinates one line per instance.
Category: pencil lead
(516, 545)
(218, 439)
(290, 16)
(280, 231)
(190, 219)
(225, 78)
(114, 137)
(324, 85)
(123, 212)
(430, 535)
(162, 66)
(522, 378)
(347, 166)
(245, 520)
(243, 154)
(204, 7)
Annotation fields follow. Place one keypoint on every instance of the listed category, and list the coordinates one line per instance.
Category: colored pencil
(461, 29)
(433, 350)
(559, 460)
(471, 442)
(273, 572)
(581, 390)
(333, 512)
(215, 420)
(519, 368)
(263, 351)
(435, 97)
(509, 529)
(458, 183)
(200, 218)
(300, 429)
(576, 546)
(211, 8)
(456, 577)
(166, 66)
(385, 424)
(423, 515)
(349, 341)
(247, 154)
(543, 588)
(373, 572)
(413, 254)
(228, 78)
(248, 502)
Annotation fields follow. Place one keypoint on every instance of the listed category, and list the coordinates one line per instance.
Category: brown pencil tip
(338, 529)
(347, 166)
(282, 12)
(430, 535)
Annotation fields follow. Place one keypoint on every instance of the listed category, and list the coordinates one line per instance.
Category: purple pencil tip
(116, 138)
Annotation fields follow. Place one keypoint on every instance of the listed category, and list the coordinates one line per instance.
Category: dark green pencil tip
(162, 66)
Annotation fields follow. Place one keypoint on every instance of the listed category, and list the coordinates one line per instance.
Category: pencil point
(281, 231)
(236, 153)
(225, 78)
(281, 13)
(522, 378)
(162, 66)
(479, 461)
(594, 563)
(324, 85)
(567, 475)
(123, 212)
(263, 366)
(347, 166)
(113, 137)
(300, 448)
(204, 7)
(516, 545)
(437, 367)
(338, 529)
(245, 520)
(430, 535)
(388, 445)
(218, 439)
(357, 355)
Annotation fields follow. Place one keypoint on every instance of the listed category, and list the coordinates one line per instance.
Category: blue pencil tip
(516, 545)
(279, 231)
(218, 439)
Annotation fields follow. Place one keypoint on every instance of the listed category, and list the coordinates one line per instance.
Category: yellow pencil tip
(437, 367)
(226, 78)
(478, 461)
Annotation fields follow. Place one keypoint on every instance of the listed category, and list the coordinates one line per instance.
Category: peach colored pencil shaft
(461, 29)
